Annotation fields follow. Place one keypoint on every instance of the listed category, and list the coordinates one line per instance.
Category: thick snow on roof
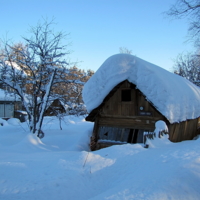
(8, 96)
(175, 97)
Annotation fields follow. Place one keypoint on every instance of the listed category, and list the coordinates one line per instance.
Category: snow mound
(28, 170)
(161, 137)
(175, 97)
(3, 122)
(31, 143)
(159, 142)
(13, 121)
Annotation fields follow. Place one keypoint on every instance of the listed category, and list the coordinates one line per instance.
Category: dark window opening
(126, 95)
(125, 135)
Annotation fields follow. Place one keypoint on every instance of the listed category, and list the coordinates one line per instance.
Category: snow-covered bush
(160, 133)
(161, 128)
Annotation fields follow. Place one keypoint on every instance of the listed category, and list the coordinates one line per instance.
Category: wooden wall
(137, 114)
(186, 130)
(116, 112)
(115, 107)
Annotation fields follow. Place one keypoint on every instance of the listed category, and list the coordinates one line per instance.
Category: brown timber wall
(136, 123)
(186, 130)
(138, 106)
(138, 113)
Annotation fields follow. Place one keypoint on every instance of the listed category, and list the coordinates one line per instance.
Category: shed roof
(5, 96)
(173, 96)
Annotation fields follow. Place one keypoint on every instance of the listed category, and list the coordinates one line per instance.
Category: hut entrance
(125, 135)
(135, 136)
(132, 138)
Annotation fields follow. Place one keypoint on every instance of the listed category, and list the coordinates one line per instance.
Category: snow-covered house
(9, 103)
(127, 95)
(58, 107)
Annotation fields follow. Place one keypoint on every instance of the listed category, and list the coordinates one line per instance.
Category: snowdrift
(31, 168)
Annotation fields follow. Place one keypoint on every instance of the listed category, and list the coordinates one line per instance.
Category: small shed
(127, 95)
(9, 103)
(55, 107)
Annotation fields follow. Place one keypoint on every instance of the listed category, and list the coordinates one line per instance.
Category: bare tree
(188, 66)
(188, 9)
(125, 50)
(42, 66)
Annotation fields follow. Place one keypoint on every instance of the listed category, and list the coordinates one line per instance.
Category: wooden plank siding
(135, 113)
(186, 130)
(145, 123)
(115, 107)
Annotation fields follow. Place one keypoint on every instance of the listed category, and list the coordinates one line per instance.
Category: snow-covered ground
(60, 167)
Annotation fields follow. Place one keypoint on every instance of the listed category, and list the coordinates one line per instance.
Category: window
(6, 110)
(126, 95)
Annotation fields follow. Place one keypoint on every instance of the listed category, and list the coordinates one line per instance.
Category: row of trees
(188, 64)
(38, 72)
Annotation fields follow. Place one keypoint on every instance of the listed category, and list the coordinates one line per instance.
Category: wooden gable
(127, 101)
(55, 108)
(132, 110)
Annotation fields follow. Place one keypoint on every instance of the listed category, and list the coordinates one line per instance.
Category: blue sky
(98, 28)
